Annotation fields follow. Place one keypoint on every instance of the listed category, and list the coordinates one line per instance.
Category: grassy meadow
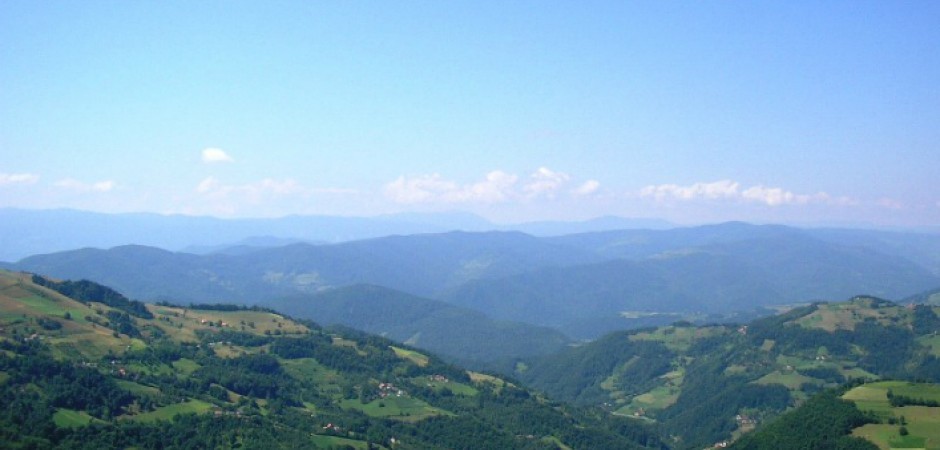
(922, 423)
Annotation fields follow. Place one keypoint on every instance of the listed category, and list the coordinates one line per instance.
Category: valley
(679, 339)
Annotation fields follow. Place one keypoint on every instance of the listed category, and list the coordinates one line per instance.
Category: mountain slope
(695, 381)
(425, 265)
(763, 266)
(460, 334)
(681, 283)
(76, 373)
(582, 284)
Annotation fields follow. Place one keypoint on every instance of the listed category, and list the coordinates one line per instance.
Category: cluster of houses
(213, 324)
(437, 379)
(388, 389)
(743, 420)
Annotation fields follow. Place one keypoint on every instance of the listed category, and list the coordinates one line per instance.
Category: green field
(933, 342)
(402, 408)
(337, 442)
(167, 412)
(185, 367)
(328, 380)
(922, 423)
(137, 388)
(67, 418)
(678, 338)
(418, 358)
(791, 379)
(454, 387)
(657, 399)
(844, 316)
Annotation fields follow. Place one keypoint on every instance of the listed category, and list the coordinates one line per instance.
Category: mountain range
(30, 232)
(583, 285)
(83, 366)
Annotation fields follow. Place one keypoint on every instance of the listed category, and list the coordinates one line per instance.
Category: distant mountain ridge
(580, 284)
(464, 335)
(30, 232)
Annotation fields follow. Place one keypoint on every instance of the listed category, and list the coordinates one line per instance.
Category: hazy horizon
(795, 113)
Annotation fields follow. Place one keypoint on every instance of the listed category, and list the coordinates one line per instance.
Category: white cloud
(777, 196)
(213, 155)
(251, 191)
(275, 196)
(731, 190)
(208, 185)
(80, 186)
(496, 187)
(545, 182)
(714, 190)
(418, 189)
(589, 187)
(891, 203)
(18, 178)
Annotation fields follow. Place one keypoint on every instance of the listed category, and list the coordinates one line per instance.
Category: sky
(800, 112)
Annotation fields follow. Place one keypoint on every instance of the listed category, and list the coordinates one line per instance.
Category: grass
(844, 316)
(555, 442)
(791, 379)
(679, 338)
(932, 342)
(922, 423)
(454, 387)
(401, 408)
(328, 380)
(419, 359)
(167, 412)
(914, 390)
(69, 418)
(137, 388)
(185, 367)
(150, 369)
(478, 377)
(768, 345)
(322, 441)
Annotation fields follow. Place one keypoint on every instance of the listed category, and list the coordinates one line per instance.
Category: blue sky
(794, 112)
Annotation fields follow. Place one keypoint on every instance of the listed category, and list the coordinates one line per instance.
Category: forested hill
(709, 384)
(458, 334)
(582, 285)
(93, 369)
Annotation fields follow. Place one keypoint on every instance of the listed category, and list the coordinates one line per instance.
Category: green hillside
(908, 414)
(458, 334)
(709, 384)
(82, 372)
(877, 415)
(582, 285)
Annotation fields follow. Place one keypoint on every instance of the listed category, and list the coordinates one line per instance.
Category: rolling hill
(697, 382)
(583, 285)
(458, 334)
(424, 265)
(760, 271)
(97, 370)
